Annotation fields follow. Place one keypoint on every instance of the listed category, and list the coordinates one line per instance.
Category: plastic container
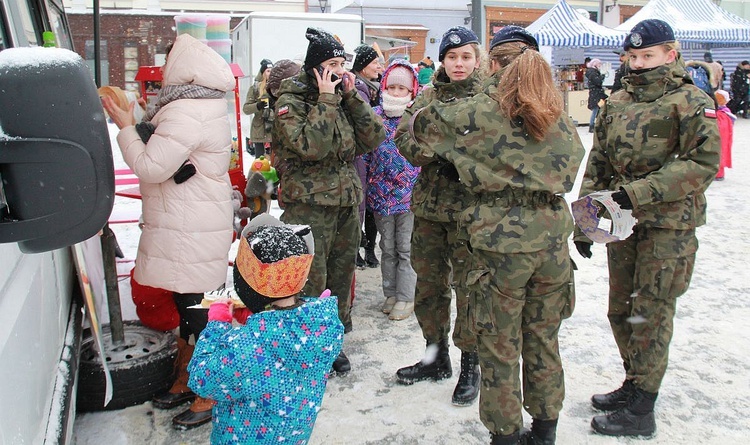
(217, 27)
(223, 47)
(192, 24)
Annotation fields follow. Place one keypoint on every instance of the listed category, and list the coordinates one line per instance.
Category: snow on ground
(705, 397)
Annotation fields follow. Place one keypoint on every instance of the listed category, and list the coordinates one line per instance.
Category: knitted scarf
(171, 93)
(394, 106)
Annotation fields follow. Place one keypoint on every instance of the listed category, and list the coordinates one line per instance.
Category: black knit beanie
(322, 46)
(365, 55)
(269, 244)
(264, 65)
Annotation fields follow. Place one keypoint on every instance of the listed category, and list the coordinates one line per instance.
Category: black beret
(513, 33)
(454, 38)
(365, 55)
(648, 33)
(322, 46)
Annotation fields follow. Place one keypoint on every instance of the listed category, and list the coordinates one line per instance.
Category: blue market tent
(696, 23)
(563, 26)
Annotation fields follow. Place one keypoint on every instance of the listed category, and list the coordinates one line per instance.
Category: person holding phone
(321, 125)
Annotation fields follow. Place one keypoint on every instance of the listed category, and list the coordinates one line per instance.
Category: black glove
(583, 248)
(185, 172)
(145, 130)
(622, 198)
(449, 172)
(262, 104)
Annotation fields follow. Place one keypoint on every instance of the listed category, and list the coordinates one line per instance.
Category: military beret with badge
(648, 33)
(454, 38)
(513, 33)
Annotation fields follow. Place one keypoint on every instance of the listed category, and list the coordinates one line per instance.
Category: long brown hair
(526, 88)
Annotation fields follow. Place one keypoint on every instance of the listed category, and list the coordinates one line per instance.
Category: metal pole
(108, 237)
(97, 47)
(476, 19)
(113, 292)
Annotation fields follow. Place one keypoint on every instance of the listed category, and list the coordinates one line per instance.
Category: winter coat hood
(193, 63)
(404, 63)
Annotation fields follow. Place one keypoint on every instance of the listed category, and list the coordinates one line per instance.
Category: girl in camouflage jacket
(437, 200)
(657, 146)
(321, 125)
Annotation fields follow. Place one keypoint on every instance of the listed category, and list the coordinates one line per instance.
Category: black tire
(140, 370)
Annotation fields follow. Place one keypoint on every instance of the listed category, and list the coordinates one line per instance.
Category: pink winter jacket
(187, 227)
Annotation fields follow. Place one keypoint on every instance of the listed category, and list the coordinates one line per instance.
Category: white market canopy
(563, 26)
(696, 23)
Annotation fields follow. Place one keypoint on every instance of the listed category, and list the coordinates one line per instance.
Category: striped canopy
(562, 26)
(696, 23)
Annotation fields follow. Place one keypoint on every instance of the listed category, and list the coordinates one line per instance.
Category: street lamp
(323, 4)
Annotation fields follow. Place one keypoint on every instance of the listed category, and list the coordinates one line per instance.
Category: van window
(58, 25)
(3, 29)
(29, 23)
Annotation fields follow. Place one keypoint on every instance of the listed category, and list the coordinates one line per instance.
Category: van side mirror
(57, 177)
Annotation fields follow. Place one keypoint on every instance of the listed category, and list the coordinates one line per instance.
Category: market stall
(563, 34)
(696, 23)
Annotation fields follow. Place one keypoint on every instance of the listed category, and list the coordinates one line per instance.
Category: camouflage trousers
(435, 252)
(517, 302)
(336, 231)
(647, 272)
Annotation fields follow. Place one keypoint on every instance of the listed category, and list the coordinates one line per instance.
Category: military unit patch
(283, 110)
(709, 112)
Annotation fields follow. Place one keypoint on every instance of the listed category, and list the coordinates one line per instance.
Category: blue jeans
(594, 113)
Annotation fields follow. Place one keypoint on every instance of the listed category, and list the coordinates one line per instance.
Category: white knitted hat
(400, 75)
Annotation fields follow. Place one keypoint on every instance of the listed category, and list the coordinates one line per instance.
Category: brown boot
(195, 416)
(179, 393)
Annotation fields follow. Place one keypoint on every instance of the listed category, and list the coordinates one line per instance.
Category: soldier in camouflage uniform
(657, 145)
(518, 152)
(437, 200)
(321, 125)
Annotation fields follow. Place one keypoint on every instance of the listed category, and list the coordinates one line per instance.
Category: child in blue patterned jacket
(269, 375)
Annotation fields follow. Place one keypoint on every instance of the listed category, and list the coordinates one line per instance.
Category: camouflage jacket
(435, 197)
(657, 138)
(316, 138)
(516, 181)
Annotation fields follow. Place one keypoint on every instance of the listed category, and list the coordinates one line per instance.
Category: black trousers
(371, 231)
(192, 321)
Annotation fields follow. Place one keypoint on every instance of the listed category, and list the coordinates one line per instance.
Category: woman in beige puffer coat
(187, 228)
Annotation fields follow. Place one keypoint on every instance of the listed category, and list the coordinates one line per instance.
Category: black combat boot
(341, 365)
(635, 419)
(543, 432)
(467, 388)
(613, 400)
(436, 369)
(510, 439)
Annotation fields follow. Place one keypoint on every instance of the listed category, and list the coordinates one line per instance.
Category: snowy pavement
(705, 397)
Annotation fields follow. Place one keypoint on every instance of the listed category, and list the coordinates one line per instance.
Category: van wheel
(143, 366)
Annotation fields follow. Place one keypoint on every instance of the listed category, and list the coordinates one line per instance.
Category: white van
(56, 189)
